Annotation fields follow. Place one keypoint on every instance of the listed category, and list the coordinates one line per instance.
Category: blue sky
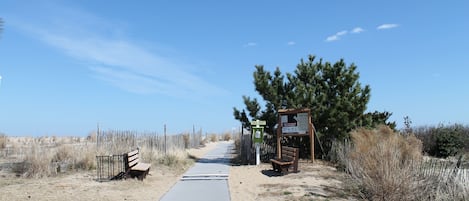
(137, 65)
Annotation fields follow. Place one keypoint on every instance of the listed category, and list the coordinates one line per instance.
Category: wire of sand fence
(121, 141)
(166, 149)
(48, 156)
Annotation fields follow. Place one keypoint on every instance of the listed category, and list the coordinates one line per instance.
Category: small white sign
(258, 134)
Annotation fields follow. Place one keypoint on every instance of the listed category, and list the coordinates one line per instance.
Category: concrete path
(207, 179)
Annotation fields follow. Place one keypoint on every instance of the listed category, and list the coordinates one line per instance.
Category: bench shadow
(271, 173)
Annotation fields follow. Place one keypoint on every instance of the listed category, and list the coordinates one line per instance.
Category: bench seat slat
(282, 163)
(141, 167)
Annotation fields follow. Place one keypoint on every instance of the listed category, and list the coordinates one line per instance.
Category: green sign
(258, 134)
(257, 130)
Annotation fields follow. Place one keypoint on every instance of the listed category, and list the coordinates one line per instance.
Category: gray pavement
(207, 179)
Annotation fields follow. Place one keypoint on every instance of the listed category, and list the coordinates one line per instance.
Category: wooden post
(165, 139)
(241, 146)
(279, 137)
(193, 137)
(97, 136)
(311, 136)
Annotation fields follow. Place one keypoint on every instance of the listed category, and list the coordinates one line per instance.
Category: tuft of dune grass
(3, 141)
(388, 166)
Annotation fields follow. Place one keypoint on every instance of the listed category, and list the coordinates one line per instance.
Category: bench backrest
(290, 153)
(132, 159)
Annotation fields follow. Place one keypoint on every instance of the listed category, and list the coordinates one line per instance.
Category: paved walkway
(207, 179)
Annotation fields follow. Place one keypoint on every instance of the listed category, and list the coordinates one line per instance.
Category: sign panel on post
(257, 132)
(295, 123)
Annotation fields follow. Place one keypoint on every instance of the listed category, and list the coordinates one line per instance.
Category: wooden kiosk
(294, 122)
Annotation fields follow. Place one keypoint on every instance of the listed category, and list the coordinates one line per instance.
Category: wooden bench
(289, 160)
(133, 166)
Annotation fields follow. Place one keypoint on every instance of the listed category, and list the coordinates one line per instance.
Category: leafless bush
(85, 157)
(174, 160)
(227, 136)
(3, 141)
(203, 141)
(91, 137)
(389, 166)
(63, 153)
(213, 138)
(381, 162)
(36, 163)
(187, 139)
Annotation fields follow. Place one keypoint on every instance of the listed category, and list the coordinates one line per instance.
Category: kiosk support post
(257, 131)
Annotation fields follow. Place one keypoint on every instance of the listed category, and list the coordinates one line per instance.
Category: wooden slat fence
(117, 141)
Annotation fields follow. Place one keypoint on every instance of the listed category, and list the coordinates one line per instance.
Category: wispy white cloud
(357, 30)
(341, 33)
(130, 81)
(336, 36)
(291, 43)
(250, 44)
(332, 38)
(123, 63)
(387, 26)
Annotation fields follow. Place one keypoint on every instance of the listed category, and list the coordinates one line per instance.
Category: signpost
(257, 131)
(295, 122)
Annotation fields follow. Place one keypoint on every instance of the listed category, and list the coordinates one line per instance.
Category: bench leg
(142, 175)
(287, 169)
(295, 168)
(276, 167)
(284, 170)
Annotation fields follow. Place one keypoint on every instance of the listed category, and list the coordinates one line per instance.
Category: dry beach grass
(45, 179)
(386, 165)
(81, 184)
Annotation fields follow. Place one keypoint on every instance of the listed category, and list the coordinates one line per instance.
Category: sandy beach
(314, 181)
(83, 185)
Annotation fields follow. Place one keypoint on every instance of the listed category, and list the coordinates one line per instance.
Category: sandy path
(313, 182)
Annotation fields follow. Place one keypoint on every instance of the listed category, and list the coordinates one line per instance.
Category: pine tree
(332, 91)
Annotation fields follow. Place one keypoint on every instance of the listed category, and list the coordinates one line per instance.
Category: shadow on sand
(271, 173)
